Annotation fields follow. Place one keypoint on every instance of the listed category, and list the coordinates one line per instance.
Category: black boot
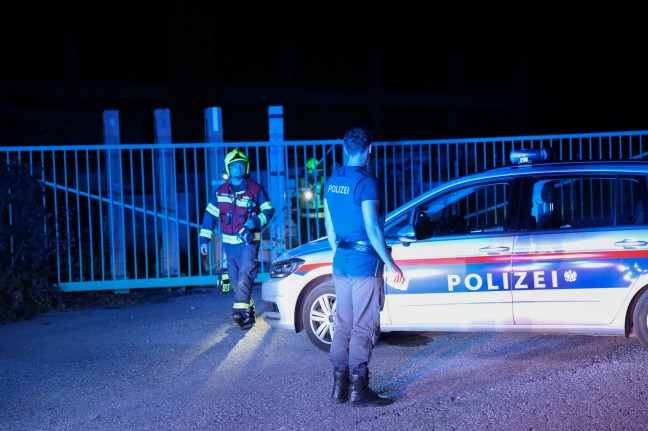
(243, 319)
(361, 395)
(340, 385)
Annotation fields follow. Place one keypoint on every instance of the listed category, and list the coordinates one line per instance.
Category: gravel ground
(177, 363)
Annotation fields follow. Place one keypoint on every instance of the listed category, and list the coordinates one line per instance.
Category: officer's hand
(204, 249)
(394, 277)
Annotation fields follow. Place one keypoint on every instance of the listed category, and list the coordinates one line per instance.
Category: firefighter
(243, 207)
(312, 201)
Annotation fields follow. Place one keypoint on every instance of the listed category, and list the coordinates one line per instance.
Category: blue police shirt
(344, 192)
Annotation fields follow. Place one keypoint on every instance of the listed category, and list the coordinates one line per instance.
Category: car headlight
(284, 268)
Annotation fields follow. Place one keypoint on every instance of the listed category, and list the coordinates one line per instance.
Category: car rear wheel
(318, 315)
(640, 319)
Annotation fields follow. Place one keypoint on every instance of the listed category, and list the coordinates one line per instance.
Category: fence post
(165, 176)
(116, 196)
(277, 187)
(214, 170)
(215, 155)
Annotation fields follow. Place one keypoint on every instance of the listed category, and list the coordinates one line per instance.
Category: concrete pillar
(277, 187)
(116, 196)
(167, 196)
(216, 153)
(214, 171)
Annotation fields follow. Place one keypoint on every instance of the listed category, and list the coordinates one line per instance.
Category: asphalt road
(178, 364)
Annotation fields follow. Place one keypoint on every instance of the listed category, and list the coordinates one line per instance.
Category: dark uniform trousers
(358, 299)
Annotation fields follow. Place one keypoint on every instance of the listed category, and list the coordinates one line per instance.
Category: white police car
(552, 247)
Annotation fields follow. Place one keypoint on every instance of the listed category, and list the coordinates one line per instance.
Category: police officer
(354, 219)
(243, 207)
(312, 198)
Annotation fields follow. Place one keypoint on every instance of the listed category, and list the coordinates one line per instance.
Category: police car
(538, 246)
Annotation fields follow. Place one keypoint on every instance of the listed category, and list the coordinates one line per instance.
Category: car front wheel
(318, 315)
(640, 319)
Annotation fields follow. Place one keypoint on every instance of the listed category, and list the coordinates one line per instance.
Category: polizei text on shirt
(341, 190)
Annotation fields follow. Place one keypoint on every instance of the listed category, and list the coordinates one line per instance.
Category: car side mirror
(406, 235)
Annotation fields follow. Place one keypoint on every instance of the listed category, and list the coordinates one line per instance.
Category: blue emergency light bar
(528, 155)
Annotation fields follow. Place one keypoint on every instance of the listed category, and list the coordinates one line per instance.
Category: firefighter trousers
(242, 268)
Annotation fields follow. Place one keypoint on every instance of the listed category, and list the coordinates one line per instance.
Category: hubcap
(322, 316)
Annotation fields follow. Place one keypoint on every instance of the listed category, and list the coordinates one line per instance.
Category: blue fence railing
(127, 216)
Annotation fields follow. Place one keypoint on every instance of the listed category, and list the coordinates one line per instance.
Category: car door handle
(631, 243)
(494, 249)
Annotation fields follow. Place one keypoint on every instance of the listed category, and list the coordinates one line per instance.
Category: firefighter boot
(252, 314)
(243, 319)
(340, 385)
(361, 395)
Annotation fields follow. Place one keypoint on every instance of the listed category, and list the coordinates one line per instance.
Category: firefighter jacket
(231, 207)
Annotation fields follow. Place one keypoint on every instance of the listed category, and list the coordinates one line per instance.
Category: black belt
(361, 246)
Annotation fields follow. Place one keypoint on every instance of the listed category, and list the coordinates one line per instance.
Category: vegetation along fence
(127, 216)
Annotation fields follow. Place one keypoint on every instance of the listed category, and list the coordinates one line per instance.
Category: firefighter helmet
(313, 164)
(236, 156)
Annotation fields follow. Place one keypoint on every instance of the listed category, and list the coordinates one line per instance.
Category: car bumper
(279, 297)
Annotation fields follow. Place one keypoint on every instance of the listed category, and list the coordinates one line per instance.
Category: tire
(318, 315)
(640, 319)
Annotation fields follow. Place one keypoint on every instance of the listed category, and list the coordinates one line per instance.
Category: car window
(573, 202)
(481, 208)
(630, 205)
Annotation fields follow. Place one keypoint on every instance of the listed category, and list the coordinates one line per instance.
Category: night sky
(572, 78)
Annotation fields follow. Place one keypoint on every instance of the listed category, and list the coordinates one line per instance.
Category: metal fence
(128, 216)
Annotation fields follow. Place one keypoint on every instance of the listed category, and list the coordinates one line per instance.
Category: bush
(28, 266)
(27, 259)
(25, 279)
